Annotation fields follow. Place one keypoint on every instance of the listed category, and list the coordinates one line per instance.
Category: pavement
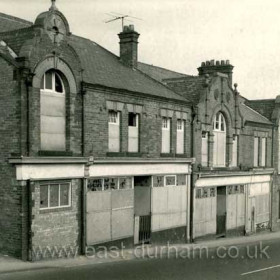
(9, 264)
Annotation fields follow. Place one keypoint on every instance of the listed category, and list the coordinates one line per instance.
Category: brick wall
(10, 189)
(56, 229)
(96, 126)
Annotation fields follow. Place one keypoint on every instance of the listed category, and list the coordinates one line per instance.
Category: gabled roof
(159, 73)
(263, 106)
(191, 87)
(251, 115)
(9, 23)
(102, 67)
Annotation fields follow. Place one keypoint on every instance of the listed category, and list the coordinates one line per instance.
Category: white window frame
(53, 83)
(263, 152)
(166, 127)
(116, 117)
(59, 206)
(256, 151)
(204, 141)
(165, 176)
(165, 123)
(218, 120)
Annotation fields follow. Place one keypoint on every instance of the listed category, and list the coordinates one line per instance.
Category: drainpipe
(192, 178)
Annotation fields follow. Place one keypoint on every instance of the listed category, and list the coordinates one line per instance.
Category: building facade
(93, 151)
(99, 149)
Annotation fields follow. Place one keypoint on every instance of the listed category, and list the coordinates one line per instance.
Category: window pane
(132, 119)
(181, 180)
(198, 193)
(170, 180)
(113, 117)
(179, 125)
(111, 183)
(54, 190)
(42, 82)
(212, 192)
(64, 194)
(158, 181)
(48, 77)
(125, 183)
(44, 196)
(58, 84)
(95, 185)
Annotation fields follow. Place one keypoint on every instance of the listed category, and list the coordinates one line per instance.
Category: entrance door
(142, 208)
(221, 211)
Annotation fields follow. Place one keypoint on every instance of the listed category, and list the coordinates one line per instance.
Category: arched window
(219, 148)
(53, 121)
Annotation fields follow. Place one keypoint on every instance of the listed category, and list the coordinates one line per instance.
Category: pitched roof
(102, 67)
(9, 23)
(159, 73)
(251, 115)
(190, 87)
(263, 106)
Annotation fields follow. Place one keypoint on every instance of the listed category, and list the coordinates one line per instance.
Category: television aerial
(118, 16)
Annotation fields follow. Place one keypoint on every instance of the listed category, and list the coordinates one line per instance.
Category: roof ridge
(161, 84)
(255, 111)
(17, 19)
(163, 68)
(257, 100)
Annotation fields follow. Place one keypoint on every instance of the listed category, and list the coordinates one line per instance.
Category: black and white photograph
(139, 139)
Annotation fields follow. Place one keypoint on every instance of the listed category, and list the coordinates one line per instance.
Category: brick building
(93, 151)
(98, 149)
(232, 144)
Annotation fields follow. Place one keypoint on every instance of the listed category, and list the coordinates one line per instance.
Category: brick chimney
(129, 46)
(211, 67)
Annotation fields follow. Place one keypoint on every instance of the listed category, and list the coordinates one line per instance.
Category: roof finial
(53, 7)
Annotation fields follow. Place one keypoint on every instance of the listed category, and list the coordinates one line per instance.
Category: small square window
(198, 193)
(205, 192)
(113, 117)
(212, 192)
(158, 181)
(95, 185)
(165, 123)
(181, 180)
(125, 183)
(170, 180)
(179, 124)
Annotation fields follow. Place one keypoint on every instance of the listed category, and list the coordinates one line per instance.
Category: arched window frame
(50, 91)
(220, 131)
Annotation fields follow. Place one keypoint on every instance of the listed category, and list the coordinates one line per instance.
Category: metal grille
(145, 229)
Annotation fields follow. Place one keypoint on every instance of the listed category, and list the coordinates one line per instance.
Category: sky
(180, 34)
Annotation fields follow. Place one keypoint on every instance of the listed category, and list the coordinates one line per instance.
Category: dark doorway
(142, 206)
(221, 211)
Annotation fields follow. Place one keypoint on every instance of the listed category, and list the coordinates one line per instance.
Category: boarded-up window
(165, 139)
(53, 121)
(263, 163)
(133, 132)
(180, 136)
(114, 131)
(234, 150)
(219, 145)
(256, 151)
(204, 148)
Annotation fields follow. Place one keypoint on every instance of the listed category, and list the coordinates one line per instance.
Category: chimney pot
(212, 62)
(207, 63)
(217, 62)
(202, 63)
(227, 62)
(222, 62)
